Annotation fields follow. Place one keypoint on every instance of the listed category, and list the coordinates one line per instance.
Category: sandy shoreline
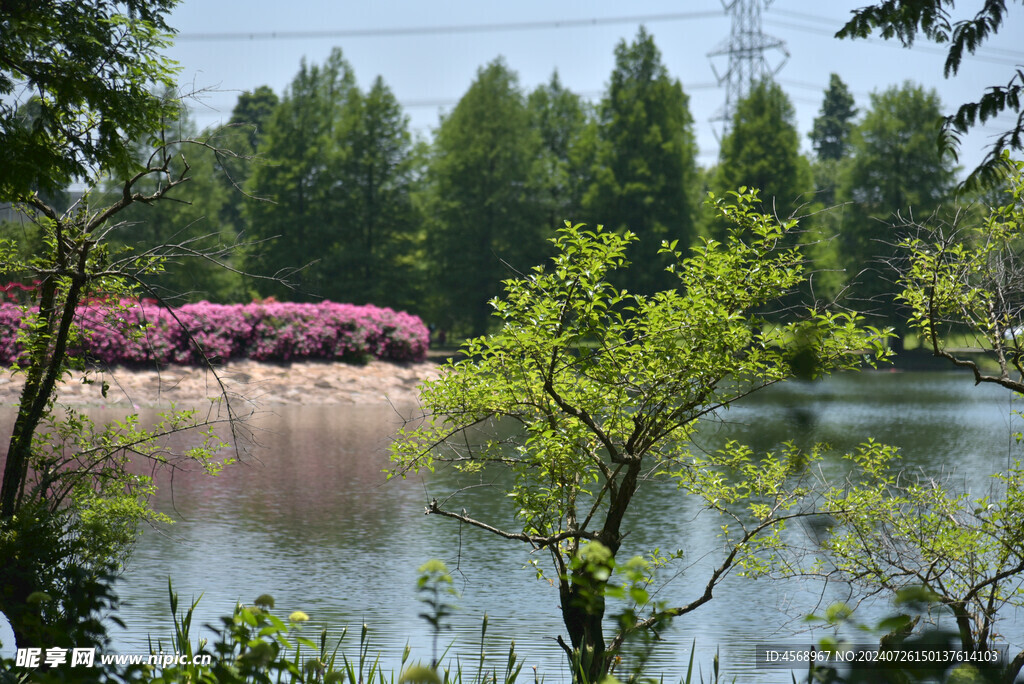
(263, 383)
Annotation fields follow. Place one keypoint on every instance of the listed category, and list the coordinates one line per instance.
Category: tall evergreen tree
(484, 207)
(240, 142)
(895, 168)
(645, 171)
(254, 109)
(298, 226)
(830, 138)
(242, 136)
(832, 127)
(562, 119)
(762, 150)
(374, 254)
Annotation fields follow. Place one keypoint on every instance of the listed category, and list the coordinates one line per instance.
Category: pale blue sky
(429, 71)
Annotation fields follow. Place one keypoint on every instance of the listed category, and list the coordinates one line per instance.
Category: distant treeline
(326, 194)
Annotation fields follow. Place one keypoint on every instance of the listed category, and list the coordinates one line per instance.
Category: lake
(310, 520)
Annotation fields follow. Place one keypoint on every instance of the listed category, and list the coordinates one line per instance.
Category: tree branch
(535, 540)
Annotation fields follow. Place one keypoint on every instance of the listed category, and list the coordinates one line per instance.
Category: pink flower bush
(134, 333)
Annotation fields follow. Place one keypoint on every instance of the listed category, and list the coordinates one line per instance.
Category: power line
(220, 106)
(444, 29)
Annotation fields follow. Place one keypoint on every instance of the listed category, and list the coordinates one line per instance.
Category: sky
(429, 53)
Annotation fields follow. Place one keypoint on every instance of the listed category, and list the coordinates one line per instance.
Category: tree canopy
(762, 150)
(485, 219)
(300, 165)
(585, 390)
(895, 169)
(832, 127)
(645, 177)
(96, 72)
(906, 19)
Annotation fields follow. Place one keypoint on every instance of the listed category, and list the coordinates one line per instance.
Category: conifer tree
(762, 150)
(645, 176)
(483, 207)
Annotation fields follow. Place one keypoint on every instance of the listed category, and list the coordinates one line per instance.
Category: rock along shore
(323, 383)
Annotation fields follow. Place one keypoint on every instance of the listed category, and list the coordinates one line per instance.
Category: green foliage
(91, 67)
(484, 214)
(832, 127)
(970, 277)
(831, 140)
(896, 632)
(895, 168)
(586, 387)
(594, 571)
(334, 177)
(895, 164)
(379, 237)
(299, 168)
(55, 585)
(645, 177)
(894, 530)
(762, 150)
(255, 645)
(567, 131)
(904, 19)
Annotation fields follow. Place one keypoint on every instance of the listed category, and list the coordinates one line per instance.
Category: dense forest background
(322, 192)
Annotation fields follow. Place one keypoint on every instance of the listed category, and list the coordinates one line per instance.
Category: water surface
(310, 520)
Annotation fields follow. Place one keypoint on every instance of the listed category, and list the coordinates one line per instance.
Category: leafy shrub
(133, 333)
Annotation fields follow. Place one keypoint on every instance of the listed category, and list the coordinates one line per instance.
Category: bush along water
(135, 333)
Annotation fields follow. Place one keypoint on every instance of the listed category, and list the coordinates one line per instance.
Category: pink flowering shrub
(10, 322)
(135, 333)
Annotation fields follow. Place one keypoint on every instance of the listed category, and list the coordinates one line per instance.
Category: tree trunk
(582, 596)
(583, 616)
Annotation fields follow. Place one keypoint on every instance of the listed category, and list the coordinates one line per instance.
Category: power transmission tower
(746, 50)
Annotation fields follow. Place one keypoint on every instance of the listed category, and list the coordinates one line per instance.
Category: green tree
(91, 65)
(645, 169)
(762, 150)
(832, 127)
(586, 390)
(905, 19)
(566, 128)
(69, 504)
(297, 227)
(202, 264)
(894, 531)
(485, 213)
(895, 167)
(830, 138)
(68, 491)
(253, 111)
(336, 167)
(378, 238)
(970, 277)
(243, 136)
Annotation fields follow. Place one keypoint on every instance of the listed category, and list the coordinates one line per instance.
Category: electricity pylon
(746, 50)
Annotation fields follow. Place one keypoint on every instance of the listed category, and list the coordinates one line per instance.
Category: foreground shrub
(132, 333)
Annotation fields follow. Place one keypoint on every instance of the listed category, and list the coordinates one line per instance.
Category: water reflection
(311, 521)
